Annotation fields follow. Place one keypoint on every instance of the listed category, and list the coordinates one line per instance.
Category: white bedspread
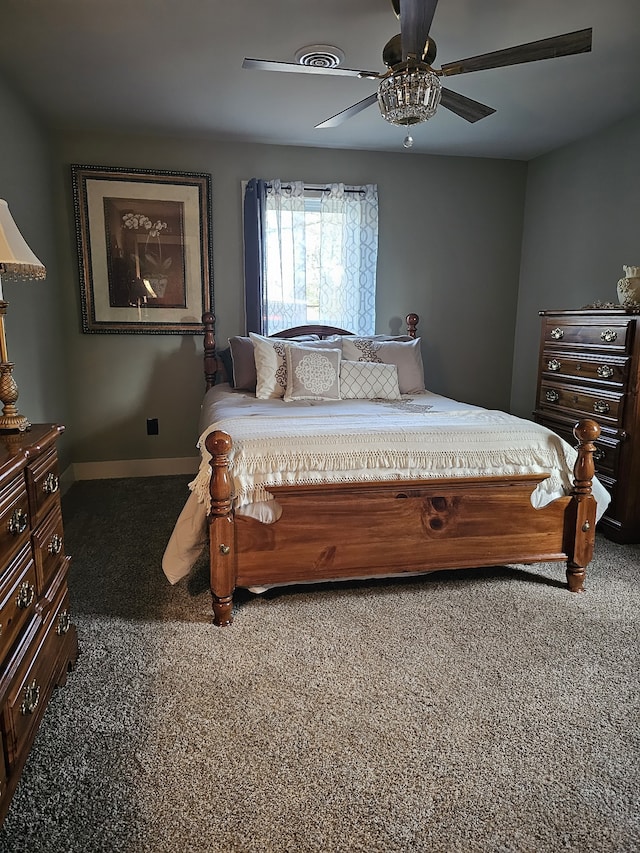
(421, 436)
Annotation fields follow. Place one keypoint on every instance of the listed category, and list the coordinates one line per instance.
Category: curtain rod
(317, 187)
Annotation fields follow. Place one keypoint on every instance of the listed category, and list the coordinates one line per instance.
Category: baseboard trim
(130, 468)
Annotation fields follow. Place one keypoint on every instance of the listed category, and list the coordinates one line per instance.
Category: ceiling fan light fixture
(409, 94)
(320, 56)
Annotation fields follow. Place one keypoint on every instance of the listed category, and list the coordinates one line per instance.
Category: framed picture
(144, 249)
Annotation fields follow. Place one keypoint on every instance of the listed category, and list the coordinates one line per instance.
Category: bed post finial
(210, 362)
(412, 322)
(584, 533)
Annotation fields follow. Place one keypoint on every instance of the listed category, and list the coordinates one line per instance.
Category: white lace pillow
(312, 373)
(368, 380)
(271, 366)
(406, 355)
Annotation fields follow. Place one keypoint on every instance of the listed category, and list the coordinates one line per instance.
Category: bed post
(222, 550)
(412, 323)
(583, 533)
(210, 362)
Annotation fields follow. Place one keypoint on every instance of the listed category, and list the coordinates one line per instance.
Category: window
(310, 256)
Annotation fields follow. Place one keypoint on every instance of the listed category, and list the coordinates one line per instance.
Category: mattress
(420, 436)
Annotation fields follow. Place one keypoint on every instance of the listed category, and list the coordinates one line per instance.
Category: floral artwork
(146, 261)
(144, 242)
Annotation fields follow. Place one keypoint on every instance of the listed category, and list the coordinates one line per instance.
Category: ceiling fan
(410, 90)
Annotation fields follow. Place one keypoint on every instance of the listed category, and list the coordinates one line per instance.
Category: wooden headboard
(212, 364)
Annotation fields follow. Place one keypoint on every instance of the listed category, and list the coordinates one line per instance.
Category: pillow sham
(270, 363)
(368, 380)
(243, 375)
(406, 355)
(313, 373)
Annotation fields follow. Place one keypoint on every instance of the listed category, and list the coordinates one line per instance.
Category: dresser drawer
(609, 372)
(603, 406)
(43, 482)
(36, 669)
(614, 336)
(48, 547)
(14, 517)
(17, 598)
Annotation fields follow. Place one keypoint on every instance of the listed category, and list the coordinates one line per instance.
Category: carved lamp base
(11, 420)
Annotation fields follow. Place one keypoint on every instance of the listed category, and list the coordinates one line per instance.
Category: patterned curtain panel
(310, 255)
(349, 257)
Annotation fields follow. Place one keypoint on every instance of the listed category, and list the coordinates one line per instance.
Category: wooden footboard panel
(367, 530)
(328, 532)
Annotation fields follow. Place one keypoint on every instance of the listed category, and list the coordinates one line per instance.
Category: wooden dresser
(590, 367)
(38, 643)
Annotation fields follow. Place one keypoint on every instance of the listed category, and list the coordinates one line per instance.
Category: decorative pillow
(244, 364)
(368, 380)
(313, 373)
(271, 365)
(405, 355)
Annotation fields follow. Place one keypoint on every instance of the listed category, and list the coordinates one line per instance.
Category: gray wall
(33, 322)
(582, 223)
(450, 236)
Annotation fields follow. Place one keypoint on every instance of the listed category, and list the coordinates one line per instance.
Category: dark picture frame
(144, 242)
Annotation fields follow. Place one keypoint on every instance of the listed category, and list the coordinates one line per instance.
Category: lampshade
(16, 261)
(409, 95)
(16, 258)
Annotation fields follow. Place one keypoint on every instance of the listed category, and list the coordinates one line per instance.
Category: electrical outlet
(152, 426)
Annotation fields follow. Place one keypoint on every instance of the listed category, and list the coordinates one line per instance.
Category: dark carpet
(464, 711)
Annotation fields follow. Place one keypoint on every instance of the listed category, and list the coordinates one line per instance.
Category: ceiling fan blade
(464, 107)
(415, 22)
(296, 68)
(351, 111)
(564, 45)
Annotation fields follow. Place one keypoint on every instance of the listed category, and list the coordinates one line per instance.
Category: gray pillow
(244, 375)
(406, 355)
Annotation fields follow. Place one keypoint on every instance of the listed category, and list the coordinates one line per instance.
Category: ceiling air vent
(320, 56)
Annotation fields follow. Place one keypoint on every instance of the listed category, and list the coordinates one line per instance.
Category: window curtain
(278, 248)
(349, 257)
(254, 261)
(285, 246)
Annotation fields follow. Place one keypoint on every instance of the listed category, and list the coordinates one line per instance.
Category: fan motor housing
(392, 52)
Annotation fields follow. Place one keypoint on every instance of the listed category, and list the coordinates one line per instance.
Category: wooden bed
(342, 531)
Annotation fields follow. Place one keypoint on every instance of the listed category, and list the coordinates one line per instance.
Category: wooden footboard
(340, 531)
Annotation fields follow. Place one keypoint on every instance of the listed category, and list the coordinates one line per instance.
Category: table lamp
(17, 261)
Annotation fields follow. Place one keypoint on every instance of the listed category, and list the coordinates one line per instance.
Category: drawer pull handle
(18, 522)
(605, 371)
(553, 364)
(25, 596)
(64, 623)
(557, 334)
(600, 407)
(608, 335)
(50, 484)
(552, 396)
(599, 455)
(31, 698)
(55, 545)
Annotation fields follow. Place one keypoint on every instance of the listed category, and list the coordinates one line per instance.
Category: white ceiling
(176, 66)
